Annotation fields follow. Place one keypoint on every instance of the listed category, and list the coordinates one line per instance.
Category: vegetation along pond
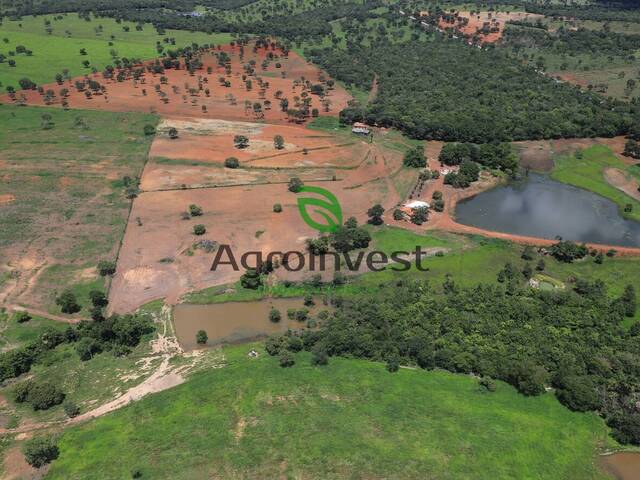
(235, 322)
(541, 207)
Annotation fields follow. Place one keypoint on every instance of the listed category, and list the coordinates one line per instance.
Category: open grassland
(588, 172)
(101, 37)
(65, 206)
(358, 421)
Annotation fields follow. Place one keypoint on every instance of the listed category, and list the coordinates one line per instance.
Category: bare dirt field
(159, 256)
(494, 21)
(176, 92)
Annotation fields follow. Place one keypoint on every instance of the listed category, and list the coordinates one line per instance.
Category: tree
(199, 229)
(375, 214)
(201, 337)
(26, 84)
(87, 348)
(240, 141)
(44, 395)
(251, 279)
(286, 360)
(195, 210)
(278, 142)
(274, 315)
(149, 130)
(68, 303)
(173, 133)
(629, 301)
(277, 208)
(567, 251)
(98, 298)
(106, 267)
(415, 158)
(540, 266)
(579, 393)
(419, 215)
(40, 451)
(232, 162)
(632, 149)
(295, 184)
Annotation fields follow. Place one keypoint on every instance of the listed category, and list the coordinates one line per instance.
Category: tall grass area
(53, 52)
(350, 419)
(586, 171)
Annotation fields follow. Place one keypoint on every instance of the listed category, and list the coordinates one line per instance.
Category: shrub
(393, 364)
(71, 409)
(251, 279)
(149, 130)
(488, 384)
(199, 229)
(201, 337)
(40, 451)
(319, 357)
(195, 210)
(241, 141)
(277, 208)
(295, 184)
(68, 303)
(308, 300)
(232, 162)
(106, 267)
(286, 360)
(278, 142)
(173, 133)
(21, 317)
(274, 315)
(44, 395)
(398, 215)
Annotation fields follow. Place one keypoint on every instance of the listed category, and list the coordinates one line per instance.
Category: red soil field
(494, 21)
(158, 260)
(183, 96)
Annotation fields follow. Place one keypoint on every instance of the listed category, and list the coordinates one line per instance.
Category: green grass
(14, 334)
(70, 206)
(350, 419)
(61, 49)
(588, 173)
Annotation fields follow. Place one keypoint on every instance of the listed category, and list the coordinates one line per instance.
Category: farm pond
(235, 322)
(622, 466)
(541, 207)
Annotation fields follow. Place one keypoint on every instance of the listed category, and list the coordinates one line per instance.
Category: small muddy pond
(622, 466)
(541, 207)
(235, 322)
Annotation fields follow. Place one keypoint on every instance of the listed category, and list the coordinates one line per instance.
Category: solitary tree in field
(375, 214)
(241, 141)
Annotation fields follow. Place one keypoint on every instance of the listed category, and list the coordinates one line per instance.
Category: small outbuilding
(360, 128)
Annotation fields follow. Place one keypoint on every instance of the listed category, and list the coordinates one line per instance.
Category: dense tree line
(444, 90)
(117, 334)
(574, 42)
(570, 340)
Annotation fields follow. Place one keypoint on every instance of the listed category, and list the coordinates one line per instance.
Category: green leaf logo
(328, 209)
